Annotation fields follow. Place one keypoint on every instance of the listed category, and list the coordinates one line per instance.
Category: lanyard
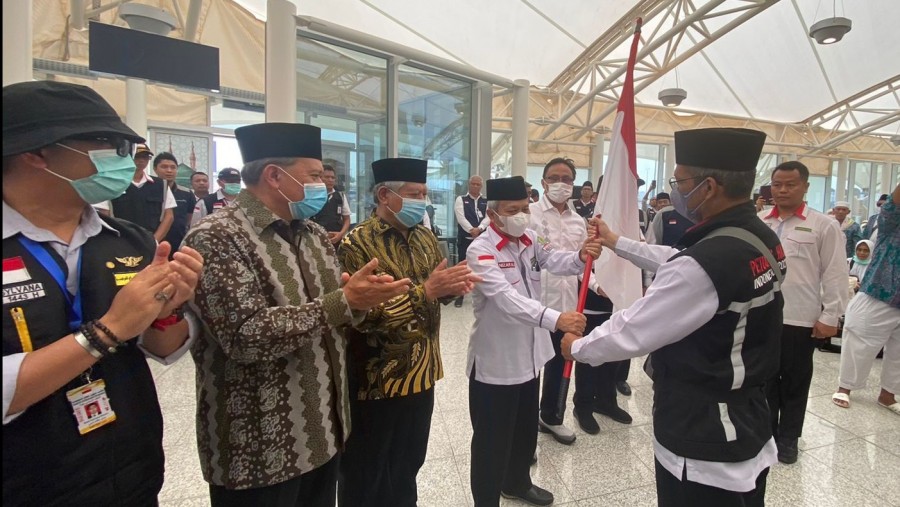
(40, 253)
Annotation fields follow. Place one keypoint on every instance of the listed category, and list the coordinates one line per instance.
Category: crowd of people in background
(317, 341)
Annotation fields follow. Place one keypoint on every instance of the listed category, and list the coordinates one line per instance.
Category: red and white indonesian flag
(617, 198)
(14, 271)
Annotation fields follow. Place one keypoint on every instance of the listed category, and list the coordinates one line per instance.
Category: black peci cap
(279, 140)
(411, 170)
(40, 113)
(726, 149)
(506, 189)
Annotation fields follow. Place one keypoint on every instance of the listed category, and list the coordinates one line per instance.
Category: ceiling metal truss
(663, 47)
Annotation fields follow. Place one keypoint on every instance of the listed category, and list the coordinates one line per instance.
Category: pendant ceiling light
(830, 30)
(672, 97)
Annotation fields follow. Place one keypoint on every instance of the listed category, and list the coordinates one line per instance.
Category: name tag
(506, 265)
(23, 292)
(90, 405)
(804, 229)
(123, 278)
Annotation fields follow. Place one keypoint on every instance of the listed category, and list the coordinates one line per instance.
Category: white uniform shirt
(817, 271)
(200, 208)
(566, 231)
(460, 212)
(510, 339)
(681, 298)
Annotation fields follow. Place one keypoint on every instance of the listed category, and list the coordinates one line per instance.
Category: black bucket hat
(40, 113)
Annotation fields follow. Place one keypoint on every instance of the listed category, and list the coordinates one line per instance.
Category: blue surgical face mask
(231, 188)
(314, 197)
(412, 211)
(114, 174)
(679, 202)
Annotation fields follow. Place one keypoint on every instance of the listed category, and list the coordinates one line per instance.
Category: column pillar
(281, 61)
(17, 36)
(136, 106)
(520, 128)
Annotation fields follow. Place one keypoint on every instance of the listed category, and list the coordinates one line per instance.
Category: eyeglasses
(673, 183)
(560, 179)
(122, 146)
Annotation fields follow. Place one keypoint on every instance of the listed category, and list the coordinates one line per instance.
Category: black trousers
(553, 371)
(504, 438)
(386, 449)
(789, 390)
(315, 488)
(671, 492)
(462, 244)
(622, 369)
(595, 383)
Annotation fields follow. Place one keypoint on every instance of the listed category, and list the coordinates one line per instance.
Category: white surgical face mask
(515, 225)
(559, 192)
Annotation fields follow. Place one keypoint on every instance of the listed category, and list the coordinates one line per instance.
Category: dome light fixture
(672, 97)
(147, 18)
(830, 30)
(895, 139)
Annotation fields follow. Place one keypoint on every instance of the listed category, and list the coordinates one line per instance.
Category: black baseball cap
(230, 175)
(40, 113)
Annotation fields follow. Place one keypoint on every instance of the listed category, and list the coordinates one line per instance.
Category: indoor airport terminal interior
(591, 102)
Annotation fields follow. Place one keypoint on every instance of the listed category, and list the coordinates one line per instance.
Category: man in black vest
(335, 215)
(229, 187)
(147, 202)
(166, 167)
(200, 184)
(585, 206)
(711, 322)
(76, 287)
(668, 225)
(471, 220)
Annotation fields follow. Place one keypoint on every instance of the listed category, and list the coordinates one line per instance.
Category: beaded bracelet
(94, 339)
(109, 334)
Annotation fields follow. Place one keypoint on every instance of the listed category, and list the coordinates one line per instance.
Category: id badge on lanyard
(90, 404)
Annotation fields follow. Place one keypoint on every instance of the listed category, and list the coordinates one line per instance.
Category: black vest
(212, 203)
(674, 227)
(331, 217)
(709, 397)
(46, 462)
(584, 210)
(184, 209)
(143, 205)
(475, 211)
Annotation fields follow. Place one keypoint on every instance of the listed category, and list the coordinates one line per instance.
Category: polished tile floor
(848, 457)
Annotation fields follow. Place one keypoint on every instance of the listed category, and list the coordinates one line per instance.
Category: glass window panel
(435, 123)
(861, 190)
(343, 92)
(815, 196)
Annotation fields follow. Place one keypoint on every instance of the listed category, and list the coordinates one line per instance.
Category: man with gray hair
(395, 355)
(272, 401)
(471, 219)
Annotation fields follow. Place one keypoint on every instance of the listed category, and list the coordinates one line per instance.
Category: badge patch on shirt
(804, 229)
(123, 278)
(23, 292)
(130, 262)
(486, 259)
(545, 244)
(14, 271)
(506, 265)
(673, 221)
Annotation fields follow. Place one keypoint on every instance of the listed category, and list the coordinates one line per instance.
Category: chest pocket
(800, 244)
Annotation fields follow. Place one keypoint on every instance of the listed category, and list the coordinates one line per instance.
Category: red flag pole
(588, 266)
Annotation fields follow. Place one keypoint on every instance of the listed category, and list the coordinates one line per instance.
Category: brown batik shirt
(272, 398)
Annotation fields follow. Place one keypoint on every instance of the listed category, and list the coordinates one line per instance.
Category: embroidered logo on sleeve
(545, 244)
(486, 259)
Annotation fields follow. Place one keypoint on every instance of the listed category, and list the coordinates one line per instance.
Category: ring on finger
(161, 296)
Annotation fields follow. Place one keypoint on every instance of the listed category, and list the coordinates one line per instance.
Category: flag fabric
(617, 199)
(14, 271)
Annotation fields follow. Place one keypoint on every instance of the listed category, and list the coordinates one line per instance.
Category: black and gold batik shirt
(395, 351)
